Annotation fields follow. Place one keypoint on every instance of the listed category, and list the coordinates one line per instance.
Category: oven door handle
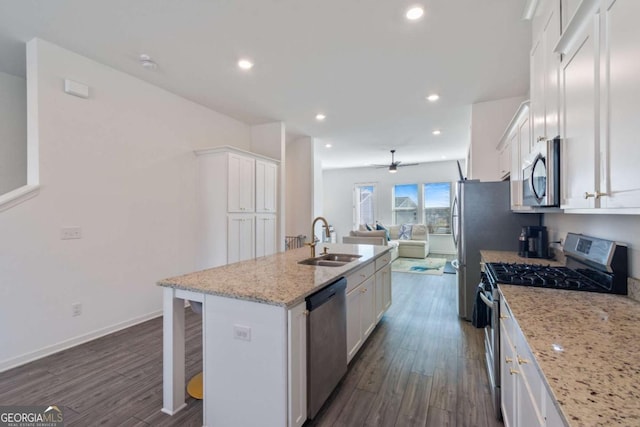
(486, 300)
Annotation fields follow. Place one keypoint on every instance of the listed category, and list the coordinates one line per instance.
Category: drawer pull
(508, 359)
(306, 312)
(513, 371)
(504, 316)
(522, 361)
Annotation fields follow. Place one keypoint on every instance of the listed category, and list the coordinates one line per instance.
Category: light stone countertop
(276, 279)
(595, 378)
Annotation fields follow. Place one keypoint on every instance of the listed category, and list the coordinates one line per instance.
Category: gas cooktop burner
(544, 276)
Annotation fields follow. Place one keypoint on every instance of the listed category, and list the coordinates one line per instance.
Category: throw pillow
(405, 232)
(386, 232)
(368, 227)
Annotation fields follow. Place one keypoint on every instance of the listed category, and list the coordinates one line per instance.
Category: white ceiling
(358, 61)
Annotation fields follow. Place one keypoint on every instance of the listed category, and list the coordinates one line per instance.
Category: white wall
(620, 228)
(13, 132)
(489, 120)
(339, 184)
(120, 165)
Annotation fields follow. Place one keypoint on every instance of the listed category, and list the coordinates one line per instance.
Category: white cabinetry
(620, 83)
(525, 400)
(579, 97)
(241, 182)
(515, 143)
(229, 228)
(600, 85)
(297, 365)
(544, 72)
(266, 229)
(361, 315)
(368, 298)
(504, 160)
(241, 235)
(266, 184)
(383, 291)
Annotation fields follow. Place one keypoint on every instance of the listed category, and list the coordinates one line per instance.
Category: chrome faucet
(314, 241)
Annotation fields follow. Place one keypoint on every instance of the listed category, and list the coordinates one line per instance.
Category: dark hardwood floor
(421, 366)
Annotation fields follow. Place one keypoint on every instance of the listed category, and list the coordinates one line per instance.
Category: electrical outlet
(67, 233)
(76, 309)
(242, 332)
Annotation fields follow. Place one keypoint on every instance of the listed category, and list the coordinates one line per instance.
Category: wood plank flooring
(421, 366)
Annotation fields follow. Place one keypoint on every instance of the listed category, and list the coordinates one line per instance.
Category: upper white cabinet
(266, 185)
(515, 144)
(230, 230)
(544, 72)
(241, 182)
(600, 86)
(579, 119)
(620, 95)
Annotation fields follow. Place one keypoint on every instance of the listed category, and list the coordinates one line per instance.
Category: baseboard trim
(5, 365)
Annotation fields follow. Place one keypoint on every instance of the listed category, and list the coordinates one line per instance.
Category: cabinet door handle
(513, 371)
(522, 361)
(363, 290)
(508, 360)
(305, 313)
(595, 195)
(504, 316)
(541, 138)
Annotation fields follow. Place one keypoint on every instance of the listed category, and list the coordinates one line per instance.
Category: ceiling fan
(393, 166)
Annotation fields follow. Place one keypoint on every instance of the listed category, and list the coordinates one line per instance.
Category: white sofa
(415, 247)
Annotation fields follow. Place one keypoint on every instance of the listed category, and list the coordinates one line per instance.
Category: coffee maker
(534, 242)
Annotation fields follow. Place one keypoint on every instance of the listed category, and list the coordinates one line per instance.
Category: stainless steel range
(593, 265)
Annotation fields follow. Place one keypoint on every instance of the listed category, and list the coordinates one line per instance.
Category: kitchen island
(254, 337)
(585, 348)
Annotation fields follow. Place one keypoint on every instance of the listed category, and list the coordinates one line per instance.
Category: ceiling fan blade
(409, 164)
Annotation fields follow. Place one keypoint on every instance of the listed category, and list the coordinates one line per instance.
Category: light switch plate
(68, 233)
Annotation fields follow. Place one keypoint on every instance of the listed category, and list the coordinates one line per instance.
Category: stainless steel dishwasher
(326, 343)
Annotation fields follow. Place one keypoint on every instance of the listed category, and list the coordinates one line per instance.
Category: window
(365, 204)
(405, 204)
(437, 207)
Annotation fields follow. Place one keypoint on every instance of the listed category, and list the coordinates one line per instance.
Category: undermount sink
(330, 260)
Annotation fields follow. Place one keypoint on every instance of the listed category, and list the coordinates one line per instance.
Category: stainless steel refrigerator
(482, 219)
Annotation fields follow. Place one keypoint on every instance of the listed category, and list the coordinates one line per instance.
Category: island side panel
(173, 353)
(245, 381)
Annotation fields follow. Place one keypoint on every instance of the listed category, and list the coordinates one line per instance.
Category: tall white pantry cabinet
(237, 206)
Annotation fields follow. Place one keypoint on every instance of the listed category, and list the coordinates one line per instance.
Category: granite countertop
(276, 279)
(586, 346)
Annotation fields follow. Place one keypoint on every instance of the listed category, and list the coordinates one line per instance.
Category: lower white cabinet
(525, 400)
(361, 315)
(266, 232)
(368, 297)
(383, 291)
(240, 237)
(297, 366)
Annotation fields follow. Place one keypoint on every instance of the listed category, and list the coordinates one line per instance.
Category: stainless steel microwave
(541, 175)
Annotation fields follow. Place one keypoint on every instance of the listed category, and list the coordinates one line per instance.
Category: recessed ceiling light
(414, 13)
(436, 132)
(328, 145)
(433, 97)
(147, 62)
(444, 157)
(245, 64)
(320, 117)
